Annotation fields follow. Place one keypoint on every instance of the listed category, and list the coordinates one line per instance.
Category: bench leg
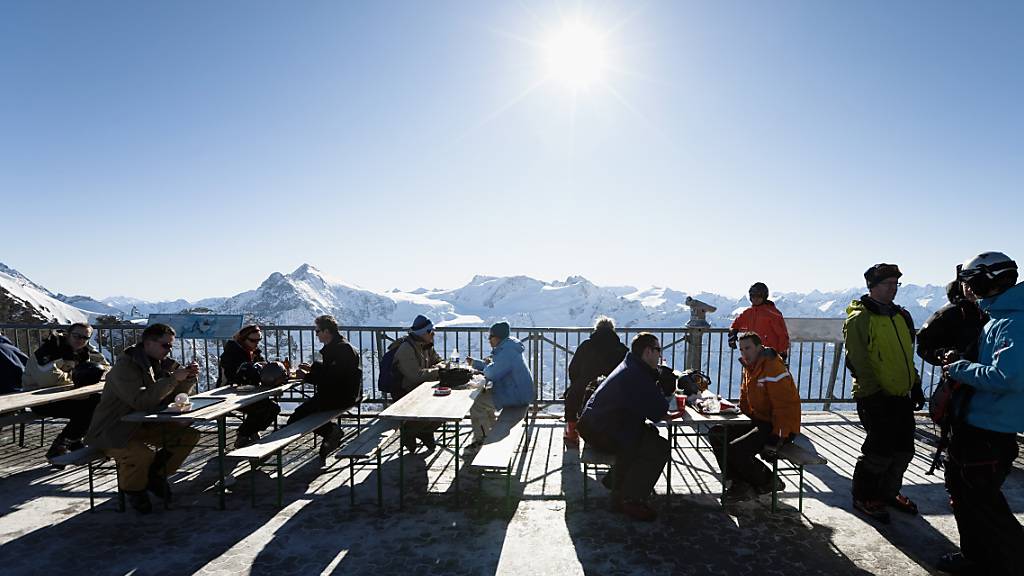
(21, 435)
(585, 471)
(775, 485)
(280, 481)
(380, 482)
(42, 432)
(351, 482)
(253, 464)
(401, 465)
(800, 496)
(92, 498)
(222, 442)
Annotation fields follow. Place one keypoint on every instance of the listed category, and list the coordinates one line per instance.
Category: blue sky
(189, 149)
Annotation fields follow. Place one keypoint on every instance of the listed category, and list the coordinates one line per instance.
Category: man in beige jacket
(417, 362)
(144, 379)
(66, 359)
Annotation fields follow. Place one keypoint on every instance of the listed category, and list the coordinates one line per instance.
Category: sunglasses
(79, 336)
(166, 345)
(656, 348)
(254, 340)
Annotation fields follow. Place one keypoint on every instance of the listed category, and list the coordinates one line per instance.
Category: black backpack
(387, 380)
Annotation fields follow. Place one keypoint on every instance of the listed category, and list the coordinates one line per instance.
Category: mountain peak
(307, 270)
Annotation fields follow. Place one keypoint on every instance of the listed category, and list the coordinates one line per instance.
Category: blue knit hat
(421, 325)
(500, 330)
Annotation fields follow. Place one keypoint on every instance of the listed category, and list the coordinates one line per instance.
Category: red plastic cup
(680, 402)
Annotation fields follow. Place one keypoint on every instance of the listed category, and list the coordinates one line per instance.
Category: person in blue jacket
(615, 420)
(510, 379)
(983, 441)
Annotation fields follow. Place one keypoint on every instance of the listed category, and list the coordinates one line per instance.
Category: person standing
(764, 319)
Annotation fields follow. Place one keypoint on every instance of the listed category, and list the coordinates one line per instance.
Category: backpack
(948, 403)
(387, 380)
(588, 391)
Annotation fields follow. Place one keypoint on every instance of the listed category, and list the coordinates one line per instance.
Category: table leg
(457, 457)
(668, 471)
(401, 465)
(221, 450)
(725, 457)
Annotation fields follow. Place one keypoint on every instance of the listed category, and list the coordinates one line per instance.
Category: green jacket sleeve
(133, 387)
(412, 373)
(857, 358)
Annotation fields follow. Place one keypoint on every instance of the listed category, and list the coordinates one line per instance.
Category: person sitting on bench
(510, 378)
(56, 363)
(769, 397)
(416, 361)
(615, 419)
(144, 379)
(337, 381)
(242, 348)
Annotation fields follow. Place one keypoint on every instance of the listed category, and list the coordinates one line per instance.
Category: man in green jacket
(880, 355)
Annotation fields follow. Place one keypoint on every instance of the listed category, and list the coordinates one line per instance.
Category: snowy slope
(23, 299)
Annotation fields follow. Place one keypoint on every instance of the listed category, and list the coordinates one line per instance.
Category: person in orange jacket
(769, 397)
(763, 318)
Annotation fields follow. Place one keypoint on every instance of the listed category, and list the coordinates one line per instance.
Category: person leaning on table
(512, 383)
(144, 379)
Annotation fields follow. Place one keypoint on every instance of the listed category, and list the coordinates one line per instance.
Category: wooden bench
(274, 443)
(798, 454)
(596, 459)
(17, 421)
(370, 441)
(94, 458)
(500, 446)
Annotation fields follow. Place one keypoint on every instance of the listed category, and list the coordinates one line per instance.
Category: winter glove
(732, 339)
(917, 395)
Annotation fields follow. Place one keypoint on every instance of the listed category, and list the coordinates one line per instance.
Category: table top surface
(422, 404)
(22, 400)
(692, 417)
(232, 400)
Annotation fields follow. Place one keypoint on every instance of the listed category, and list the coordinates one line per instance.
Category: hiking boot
(738, 491)
(874, 509)
(243, 440)
(160, 488)
(955, 563)
(57, 449)
(330, 444)
(766, 488)
(428, 442)
(639, 510)
(903, 504)
(139, 501)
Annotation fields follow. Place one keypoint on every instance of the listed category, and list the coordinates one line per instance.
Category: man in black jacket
(337, 379)
(242, 348)
(596, 356)
(615, 420)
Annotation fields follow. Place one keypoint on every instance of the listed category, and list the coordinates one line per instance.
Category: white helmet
(987, 272)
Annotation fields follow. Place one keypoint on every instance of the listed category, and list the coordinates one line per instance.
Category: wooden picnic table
(421, 405)
(694, 419)
(232, 400)
(21, 400)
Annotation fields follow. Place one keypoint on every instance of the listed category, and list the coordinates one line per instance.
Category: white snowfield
(298, 297)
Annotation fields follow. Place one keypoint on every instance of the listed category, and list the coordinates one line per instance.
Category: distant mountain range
(298, 297)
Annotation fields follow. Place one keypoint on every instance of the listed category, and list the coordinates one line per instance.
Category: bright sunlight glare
(575, 55)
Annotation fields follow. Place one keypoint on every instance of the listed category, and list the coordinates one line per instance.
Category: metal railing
(818, 368)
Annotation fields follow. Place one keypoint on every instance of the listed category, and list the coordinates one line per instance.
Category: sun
(576, 55)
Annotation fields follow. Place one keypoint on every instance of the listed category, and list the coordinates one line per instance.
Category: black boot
(139, 501)
(330, 444)
(158, 484)
(58, 448)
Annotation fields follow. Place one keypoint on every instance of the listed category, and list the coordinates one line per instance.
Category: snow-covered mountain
(298, 297)
(24, 301)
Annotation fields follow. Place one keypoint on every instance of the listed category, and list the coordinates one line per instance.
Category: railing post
(833, 376)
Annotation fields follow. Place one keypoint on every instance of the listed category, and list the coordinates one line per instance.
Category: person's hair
(327, 322)
(245, 331)
(752, 336)
(79, 325)
(604, 322)
(643, 341)
(157, 331)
